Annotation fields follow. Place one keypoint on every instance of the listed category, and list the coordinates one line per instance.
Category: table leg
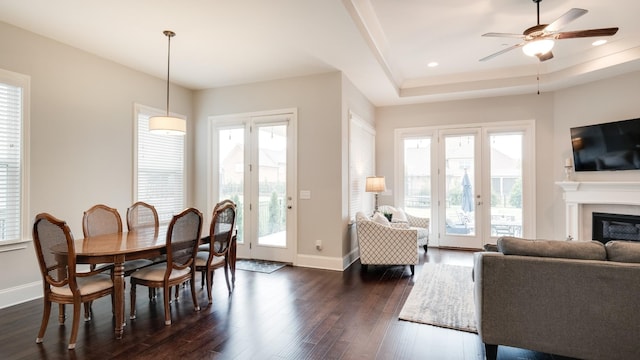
(232, 260)
(118, 295)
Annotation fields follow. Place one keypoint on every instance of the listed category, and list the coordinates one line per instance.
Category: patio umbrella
(467, 194)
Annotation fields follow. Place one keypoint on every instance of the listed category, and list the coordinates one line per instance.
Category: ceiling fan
(538, 39)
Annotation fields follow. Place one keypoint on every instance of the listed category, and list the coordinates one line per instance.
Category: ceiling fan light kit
(538, 47)
(538, 40)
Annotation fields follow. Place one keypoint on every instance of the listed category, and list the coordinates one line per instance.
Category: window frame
(24, 82)
(143, 110)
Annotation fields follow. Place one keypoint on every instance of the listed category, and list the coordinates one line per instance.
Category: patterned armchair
(386, 245)
(413, 222)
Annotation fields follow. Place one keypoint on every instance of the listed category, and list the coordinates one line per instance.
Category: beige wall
(318, 102)
(81, 136)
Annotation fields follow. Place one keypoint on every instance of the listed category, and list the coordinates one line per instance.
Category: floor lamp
(375, 184)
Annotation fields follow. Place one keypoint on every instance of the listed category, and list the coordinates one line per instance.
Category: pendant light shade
(168, 125)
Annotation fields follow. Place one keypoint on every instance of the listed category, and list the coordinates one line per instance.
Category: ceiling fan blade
(545, 57)
(501, 52)
(585, 33)
(493, 34)
(565, 19)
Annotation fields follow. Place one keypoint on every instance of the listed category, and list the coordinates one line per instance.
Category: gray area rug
(262, 266)
(442, 296)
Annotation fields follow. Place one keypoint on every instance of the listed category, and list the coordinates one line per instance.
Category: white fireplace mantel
(578, 193)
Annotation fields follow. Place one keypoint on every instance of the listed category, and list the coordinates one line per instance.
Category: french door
(474, 183)
(459, 179)
(254, 166)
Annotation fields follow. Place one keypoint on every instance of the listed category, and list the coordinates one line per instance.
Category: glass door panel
(231, 172)
(272, 185)
(506, 184)
(417, 176)
(459, 210)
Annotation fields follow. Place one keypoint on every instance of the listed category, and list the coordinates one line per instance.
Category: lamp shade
(167, 125)
(375, 184)
(538, 47)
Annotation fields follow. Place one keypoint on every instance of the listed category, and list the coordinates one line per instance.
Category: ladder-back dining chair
(220, 237)
(183, 239)
(62, 284)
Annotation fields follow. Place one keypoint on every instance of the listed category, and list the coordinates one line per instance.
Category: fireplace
(608, 227)
(583, 197)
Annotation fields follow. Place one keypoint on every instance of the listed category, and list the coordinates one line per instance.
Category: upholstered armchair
(398, 217)
(384, 244)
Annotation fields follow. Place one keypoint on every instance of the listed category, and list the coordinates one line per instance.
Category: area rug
(442, 296)
(262, 266)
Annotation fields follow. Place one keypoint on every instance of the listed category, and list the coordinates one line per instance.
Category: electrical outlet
(318, 245)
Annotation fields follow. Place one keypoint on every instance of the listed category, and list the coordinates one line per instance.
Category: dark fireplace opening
(606, 227)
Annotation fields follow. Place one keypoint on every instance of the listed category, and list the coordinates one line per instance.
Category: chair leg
(209, 276)
(45, 320)
(226, 274)
(132, 303)
(413, 269)
(87, 311)
(193, 291)
(425, 248)
(76, 323)
(491, 351)
(167, 310)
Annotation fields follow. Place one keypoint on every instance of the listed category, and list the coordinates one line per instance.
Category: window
(362, 138)
(159, 167)
(14, 94)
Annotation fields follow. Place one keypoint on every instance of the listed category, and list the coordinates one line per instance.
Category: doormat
(262, 266)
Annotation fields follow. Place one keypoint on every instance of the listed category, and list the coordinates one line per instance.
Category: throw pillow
(585, 250)
(380, 219)
(623, 251)
(399, 216)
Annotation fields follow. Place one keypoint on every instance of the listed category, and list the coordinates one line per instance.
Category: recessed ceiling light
(599, 42)
(432, 64)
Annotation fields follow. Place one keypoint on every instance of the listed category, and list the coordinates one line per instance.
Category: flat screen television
(608, 146)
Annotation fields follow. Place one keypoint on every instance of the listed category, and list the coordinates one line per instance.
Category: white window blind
(361, 164)
(160, 168)
(11, 114)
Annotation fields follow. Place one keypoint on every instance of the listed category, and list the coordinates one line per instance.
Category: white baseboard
(19, 294)
(327, 263)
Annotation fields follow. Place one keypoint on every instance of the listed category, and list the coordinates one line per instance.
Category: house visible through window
(14, 91)
(159, 167)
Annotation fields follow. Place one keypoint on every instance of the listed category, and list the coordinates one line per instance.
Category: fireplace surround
(580, 194)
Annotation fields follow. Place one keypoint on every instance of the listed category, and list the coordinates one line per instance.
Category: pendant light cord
(169, 35)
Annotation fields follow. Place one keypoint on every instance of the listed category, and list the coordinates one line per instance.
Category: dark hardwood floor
(293, 313)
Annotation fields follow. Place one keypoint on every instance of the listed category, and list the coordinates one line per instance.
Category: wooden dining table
(143, 243)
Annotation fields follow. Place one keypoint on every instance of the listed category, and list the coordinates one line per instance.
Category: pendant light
(168, 125)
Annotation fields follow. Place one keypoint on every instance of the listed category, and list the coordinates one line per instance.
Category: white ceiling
(382, 46)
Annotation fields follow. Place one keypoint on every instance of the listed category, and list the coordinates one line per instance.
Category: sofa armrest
(418, 221)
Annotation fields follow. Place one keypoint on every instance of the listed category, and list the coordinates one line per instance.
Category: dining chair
(62, 284)
(183, 239)
(219, 239)
(99, 220)
(141, 214)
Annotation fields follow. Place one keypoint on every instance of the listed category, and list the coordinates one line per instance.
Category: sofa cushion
(623, 251)
(585, 250)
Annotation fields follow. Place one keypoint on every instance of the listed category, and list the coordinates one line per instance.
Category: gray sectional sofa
(572, 298)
